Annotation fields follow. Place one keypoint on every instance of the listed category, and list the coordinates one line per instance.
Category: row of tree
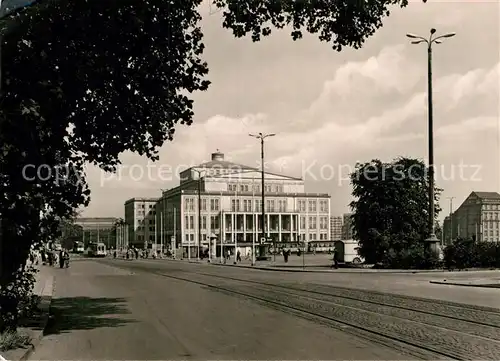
(85, 80)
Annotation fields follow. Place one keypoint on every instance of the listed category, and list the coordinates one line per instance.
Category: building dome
(217, 156)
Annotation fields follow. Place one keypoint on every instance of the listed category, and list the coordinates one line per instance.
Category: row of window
(277, 188)
(491, 225)
(214, 204)
(323, 222)
(312, 205)
(492, 207)
(214, 222)
(491, 216)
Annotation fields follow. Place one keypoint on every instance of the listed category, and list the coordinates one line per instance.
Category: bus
(96, 250)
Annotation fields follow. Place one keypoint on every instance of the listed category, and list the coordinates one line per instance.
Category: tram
(96, 250)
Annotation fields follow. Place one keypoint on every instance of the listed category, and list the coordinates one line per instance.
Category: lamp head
(433, 31)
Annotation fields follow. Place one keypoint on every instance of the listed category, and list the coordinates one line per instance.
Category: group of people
(50, 257)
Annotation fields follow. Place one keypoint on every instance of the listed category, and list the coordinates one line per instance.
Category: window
(151, 229)
(312, 222)
(323, 206)
(204, 222)
(187, 237)
(191, 222)
(204, 204)
(312, 205)
(186, 222)
(302, 222)
(191, 237)
(270, 205)
(256, 188)
(189, 204)
(258, 205)
(302, 205)
(323, 223)
(214, 204)
(282, 205)
(214, 222)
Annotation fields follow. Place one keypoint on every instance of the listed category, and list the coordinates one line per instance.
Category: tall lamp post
(262, 247)
(432, 241)
(199, 213)
(451, 218)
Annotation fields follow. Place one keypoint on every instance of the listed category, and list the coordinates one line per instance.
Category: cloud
(332, 110)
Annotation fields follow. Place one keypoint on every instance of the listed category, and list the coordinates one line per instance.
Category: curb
(299, 269)
(44, 306)
(45, 302)
(490, 286)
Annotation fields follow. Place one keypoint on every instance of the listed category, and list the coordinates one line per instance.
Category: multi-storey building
(347, 232)
(230, 207)
(478, 217)
(335, 228)
(97, 229)
(140, 222)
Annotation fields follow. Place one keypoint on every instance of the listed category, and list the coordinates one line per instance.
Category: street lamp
(432, 241)
(199, 214)
(261, 137)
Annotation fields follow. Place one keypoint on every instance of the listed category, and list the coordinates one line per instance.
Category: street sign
(262, 240)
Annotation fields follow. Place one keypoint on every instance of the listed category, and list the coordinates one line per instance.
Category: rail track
(423, 328)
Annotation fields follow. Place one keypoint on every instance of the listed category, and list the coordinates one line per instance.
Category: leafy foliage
(340, 22)
(468, 253)
(390, 210)
(17, 299)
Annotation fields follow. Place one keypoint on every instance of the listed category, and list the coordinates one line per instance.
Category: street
(115, 309)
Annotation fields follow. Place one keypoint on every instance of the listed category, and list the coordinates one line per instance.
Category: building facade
(230, 202)
(478, 217)
(97, 229)
(335, 228)
(347, 231)
(140, 215)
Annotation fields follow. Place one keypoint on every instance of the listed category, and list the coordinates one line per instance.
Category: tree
(390, 210)
(85, 80)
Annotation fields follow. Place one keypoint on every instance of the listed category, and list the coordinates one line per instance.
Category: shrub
(17, 300)
(412, 257)
(10, 340)
(467, 253)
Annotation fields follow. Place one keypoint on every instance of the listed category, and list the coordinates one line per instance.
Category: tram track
(478, 315)
(436, 341)
(423, 328)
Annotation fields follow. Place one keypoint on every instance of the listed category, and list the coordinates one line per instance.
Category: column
(292, 232)
(268, 225)
(279, 227)
(244, 227)
(233, 227)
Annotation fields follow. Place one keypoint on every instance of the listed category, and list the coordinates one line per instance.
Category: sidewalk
(44, 288)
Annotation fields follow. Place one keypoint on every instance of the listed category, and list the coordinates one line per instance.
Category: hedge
(467, 253)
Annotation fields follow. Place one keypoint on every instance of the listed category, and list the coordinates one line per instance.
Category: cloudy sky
(331, 109)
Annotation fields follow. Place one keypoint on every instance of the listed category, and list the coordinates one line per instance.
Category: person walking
(238, 256)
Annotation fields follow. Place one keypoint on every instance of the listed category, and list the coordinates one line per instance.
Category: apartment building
(335, 228)
(347, 231)
(140, 214)
(477, 217)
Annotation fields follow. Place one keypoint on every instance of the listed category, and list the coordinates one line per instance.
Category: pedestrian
(335, 261)
(286, 253)
(238, 256)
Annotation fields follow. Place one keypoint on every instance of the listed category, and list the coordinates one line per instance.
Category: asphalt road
(152, 310)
